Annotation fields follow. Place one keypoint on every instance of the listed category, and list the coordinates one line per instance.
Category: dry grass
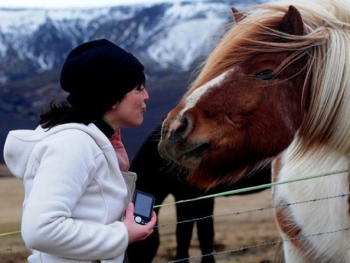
(4, 171)
(12, 248)
(232, 232)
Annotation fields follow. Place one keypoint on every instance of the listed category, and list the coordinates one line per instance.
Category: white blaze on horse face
(194, 97)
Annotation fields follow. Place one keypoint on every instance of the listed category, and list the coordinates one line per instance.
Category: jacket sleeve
(65, 170)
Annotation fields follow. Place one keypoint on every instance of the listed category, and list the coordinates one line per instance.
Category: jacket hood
(19, 144)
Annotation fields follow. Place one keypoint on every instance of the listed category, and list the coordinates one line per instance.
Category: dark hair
(96, 74)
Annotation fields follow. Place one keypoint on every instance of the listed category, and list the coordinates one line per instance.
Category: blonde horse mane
(325, 41)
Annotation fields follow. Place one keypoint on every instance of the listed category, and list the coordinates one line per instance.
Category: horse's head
(249, 100)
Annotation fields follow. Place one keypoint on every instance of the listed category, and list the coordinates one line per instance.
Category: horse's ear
(292, 23)
(236, 14)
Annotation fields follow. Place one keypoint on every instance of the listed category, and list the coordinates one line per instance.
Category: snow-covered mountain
(167, 37)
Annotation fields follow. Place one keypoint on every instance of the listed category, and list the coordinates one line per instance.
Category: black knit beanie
(97, 74)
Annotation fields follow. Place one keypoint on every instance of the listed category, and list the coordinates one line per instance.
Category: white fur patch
(194, 97)
(321, 216)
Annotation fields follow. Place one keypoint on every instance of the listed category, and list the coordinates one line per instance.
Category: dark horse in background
(277, 88)
(158, 177)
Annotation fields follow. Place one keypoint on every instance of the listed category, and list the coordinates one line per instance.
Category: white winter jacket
(75, 193)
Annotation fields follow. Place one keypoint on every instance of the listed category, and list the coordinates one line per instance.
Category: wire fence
(277, 241)
(266, 243)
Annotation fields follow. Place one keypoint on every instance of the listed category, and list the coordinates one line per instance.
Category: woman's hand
(119, 148)
(136, 231)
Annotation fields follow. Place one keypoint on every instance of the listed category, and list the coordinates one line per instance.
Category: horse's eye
(264, 75)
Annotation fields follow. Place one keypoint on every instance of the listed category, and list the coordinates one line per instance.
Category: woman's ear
(114, 106)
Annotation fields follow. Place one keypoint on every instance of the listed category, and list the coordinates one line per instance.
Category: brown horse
(276, 89)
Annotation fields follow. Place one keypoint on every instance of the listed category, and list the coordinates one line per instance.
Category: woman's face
(128, 112)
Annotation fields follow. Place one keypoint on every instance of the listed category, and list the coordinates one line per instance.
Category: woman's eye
(140, 88)
(265, 75)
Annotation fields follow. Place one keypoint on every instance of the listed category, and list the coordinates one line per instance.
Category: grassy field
(12, 249)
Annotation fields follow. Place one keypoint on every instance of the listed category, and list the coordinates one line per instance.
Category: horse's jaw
(228, 174)
(189, 156)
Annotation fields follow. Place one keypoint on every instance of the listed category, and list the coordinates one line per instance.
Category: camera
(143, 207)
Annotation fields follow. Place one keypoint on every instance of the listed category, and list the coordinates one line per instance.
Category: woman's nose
(145, 94)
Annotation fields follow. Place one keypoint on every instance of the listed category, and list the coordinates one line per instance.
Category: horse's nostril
(181, 130)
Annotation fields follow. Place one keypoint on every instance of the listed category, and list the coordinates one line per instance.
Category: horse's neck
(322, 170)
(294, 164)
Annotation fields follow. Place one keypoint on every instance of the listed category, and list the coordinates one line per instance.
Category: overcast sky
(69, 3)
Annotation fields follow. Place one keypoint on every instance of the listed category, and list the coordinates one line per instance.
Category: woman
(77, 201)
